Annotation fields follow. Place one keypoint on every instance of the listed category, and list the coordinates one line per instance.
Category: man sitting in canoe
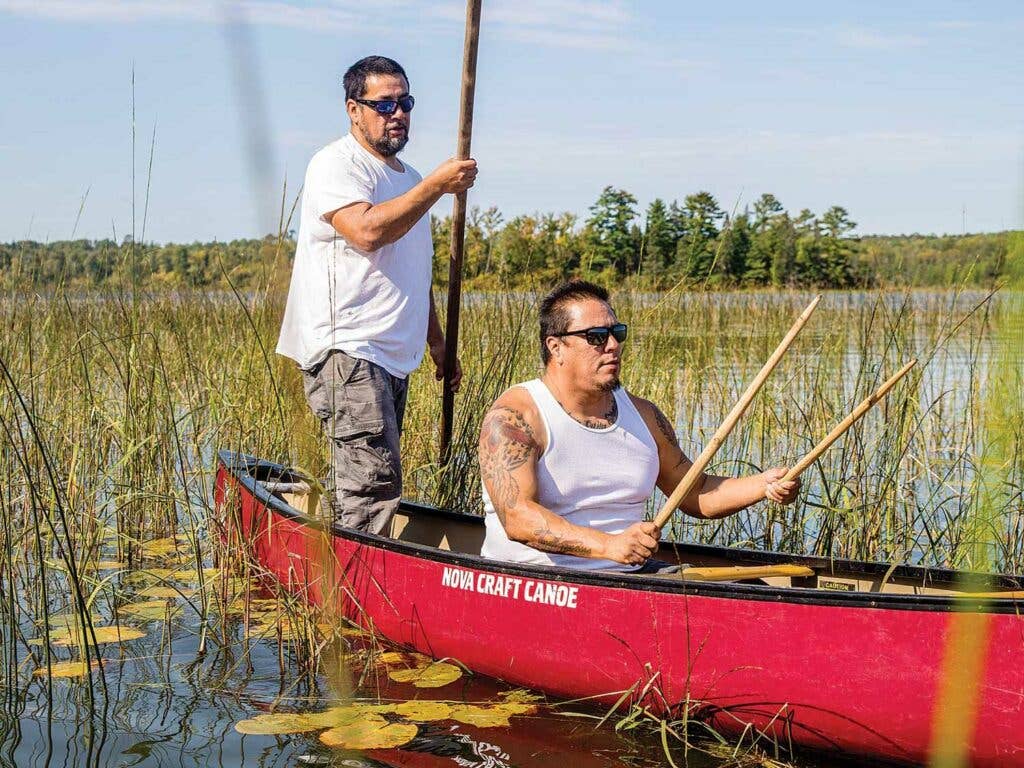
(569, 460)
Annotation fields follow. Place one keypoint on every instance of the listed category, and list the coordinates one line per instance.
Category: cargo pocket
(377, 463)
(349, 400)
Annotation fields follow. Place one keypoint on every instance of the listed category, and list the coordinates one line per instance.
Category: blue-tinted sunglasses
(388, 106)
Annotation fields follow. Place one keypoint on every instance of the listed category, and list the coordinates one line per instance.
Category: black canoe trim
(245, 469)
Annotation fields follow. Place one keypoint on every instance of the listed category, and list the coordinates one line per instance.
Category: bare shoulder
(657, 422)
(514, 416)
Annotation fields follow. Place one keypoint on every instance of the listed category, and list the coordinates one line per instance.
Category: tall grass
(114, 406)
(902, 485)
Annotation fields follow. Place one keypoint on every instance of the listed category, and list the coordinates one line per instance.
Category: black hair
(355, 77)
(554, 309)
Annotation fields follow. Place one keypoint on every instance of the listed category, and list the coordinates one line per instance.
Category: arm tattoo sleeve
(506, 443)
(546, 541)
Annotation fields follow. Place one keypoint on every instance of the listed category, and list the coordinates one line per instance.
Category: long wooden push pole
(795, 471)
(690, 478)
(451, 334)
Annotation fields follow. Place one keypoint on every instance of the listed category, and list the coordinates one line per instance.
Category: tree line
(697, 243)
(694, 243)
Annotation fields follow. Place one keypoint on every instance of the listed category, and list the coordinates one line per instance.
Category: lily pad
(67, 669)
(496, 716)
(65, 620)
(370, 732)
(423, 710)
(151, 574)
(192, 574)
(163, 592)
(231, 585)
(408, 659)
(260, 609)
(520, 696)
(160, 547)
(349, 630)
(434, 675)
(285, 627)
(110, 565)
(108, 634)
(154, 610)
(299, 722)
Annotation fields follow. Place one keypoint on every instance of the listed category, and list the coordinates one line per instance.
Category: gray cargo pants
(361, 407)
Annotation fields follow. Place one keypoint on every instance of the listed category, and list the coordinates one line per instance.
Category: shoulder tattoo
(665, 426)
(507, 442)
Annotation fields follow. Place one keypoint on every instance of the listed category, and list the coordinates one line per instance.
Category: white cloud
(955, 24)
(595, 25)
(873, 39)
(579, 40)
(112, 10)
(565, 14)
(580, 24)
(317, 16)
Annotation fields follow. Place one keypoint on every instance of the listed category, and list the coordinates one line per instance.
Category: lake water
(175, 696)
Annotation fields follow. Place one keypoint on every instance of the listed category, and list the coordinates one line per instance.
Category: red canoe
(860, 658)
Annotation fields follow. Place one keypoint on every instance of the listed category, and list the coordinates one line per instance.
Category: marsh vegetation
(111, 557)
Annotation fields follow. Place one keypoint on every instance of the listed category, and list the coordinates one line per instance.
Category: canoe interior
(463, 533)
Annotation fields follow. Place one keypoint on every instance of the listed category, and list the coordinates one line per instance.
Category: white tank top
(595, 478)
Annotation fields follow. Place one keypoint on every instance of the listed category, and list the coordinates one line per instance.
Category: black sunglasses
(388, 106)
(598, 337)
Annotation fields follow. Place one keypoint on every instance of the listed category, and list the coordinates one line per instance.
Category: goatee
(610, 386)
(389, 146)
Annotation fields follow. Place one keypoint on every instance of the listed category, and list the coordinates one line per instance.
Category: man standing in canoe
(569, 460)
(360, 309)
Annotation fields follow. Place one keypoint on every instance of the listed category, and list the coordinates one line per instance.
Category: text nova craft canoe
(860, 658)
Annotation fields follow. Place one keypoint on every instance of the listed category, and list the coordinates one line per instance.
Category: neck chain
(605, 420)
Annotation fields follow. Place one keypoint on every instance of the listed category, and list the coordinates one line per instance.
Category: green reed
(114, 406)
(901, 486)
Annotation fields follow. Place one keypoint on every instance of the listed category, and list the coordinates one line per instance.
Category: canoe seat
(279, 486)
(299, 494)
(742, 572)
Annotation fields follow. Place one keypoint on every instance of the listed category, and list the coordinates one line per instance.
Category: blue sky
(904, 113)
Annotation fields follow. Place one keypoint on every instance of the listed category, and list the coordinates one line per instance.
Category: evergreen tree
(660, 239)
(783, 238)
(805, 223)
(836, 248)
(735, 245)
(766, 208)
(610, 243)
(696, 250)
(764, 241)
(808, 264)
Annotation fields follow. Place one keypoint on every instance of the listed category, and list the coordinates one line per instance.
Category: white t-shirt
(371, 305)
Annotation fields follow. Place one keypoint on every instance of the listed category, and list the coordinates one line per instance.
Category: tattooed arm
(510, 444)
(712, 496)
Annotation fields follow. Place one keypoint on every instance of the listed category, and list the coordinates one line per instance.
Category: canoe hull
(808, 670)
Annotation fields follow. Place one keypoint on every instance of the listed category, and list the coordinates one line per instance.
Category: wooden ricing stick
(795, 471)
(702, 461)
(742, 572)
(451, 334)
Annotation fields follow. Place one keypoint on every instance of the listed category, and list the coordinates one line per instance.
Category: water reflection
(181, 710)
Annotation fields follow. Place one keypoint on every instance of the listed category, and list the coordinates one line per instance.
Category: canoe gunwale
(242, 467)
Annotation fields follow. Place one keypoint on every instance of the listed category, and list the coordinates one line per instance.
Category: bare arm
(370, 227)
(509, 450)
(713, 496)
(436, 345)
(435, 336)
